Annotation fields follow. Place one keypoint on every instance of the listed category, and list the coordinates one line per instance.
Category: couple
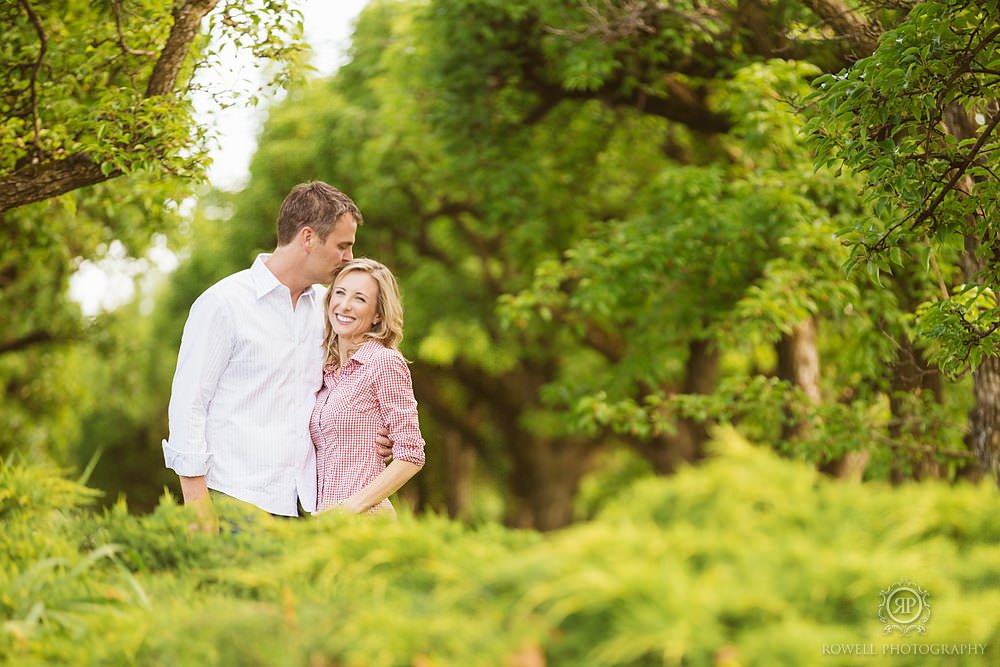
(289, 396)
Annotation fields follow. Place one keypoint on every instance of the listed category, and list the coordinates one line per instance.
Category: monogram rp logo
(904, 607)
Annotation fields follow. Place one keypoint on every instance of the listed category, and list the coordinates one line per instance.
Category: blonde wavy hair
(388, 328)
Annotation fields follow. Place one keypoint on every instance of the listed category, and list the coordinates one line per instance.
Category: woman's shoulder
(374, 351)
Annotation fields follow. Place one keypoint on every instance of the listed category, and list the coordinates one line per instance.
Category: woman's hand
(349, 506)
(384, 485)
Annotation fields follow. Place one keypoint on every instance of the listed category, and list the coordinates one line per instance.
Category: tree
(90, 92)
(93, 91)
(518, 64)
(918, 117)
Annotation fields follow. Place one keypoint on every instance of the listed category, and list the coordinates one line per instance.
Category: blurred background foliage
(616, 225)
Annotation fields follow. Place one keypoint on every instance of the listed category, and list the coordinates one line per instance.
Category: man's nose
(348, 255)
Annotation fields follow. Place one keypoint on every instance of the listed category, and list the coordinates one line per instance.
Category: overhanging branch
(45, 179)
(849, 25)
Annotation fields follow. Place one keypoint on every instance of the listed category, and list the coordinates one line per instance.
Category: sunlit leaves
(918, 118)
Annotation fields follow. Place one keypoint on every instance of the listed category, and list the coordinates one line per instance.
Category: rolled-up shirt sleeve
(206, 347)
(394, 389)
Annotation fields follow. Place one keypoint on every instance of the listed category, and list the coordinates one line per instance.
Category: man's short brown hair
(314, 204)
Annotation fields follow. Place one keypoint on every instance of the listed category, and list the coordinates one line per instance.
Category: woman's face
(353, 304)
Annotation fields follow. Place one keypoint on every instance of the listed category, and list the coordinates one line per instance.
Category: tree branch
(32, 339)
(38, 182)
(850, 26)
(43, 47)
(42, 180)
(187, 20)
(679, 103)
(117, 6)
(959, 172)
(963, 66)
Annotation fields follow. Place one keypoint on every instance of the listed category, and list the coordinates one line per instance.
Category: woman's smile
(353, 305)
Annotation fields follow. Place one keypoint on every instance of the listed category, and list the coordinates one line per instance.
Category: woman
(366, 386)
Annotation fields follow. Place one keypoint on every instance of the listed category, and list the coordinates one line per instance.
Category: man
(250, 363)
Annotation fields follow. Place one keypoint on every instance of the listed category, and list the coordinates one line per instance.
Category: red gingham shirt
(372, 390)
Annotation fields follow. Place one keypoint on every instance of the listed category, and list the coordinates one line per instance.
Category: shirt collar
(366, 352)
(265, 282)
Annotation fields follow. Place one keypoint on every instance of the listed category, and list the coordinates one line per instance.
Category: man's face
(338, 249)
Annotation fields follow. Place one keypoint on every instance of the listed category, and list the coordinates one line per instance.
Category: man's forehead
(346, 225)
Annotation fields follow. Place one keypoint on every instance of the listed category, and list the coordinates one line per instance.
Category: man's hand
(384, 445)
(207, 521)
(196, 496)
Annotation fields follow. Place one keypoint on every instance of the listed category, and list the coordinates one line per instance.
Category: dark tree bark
(540, 475)
(458, 461)
(33, 339)
(983, 437)
(798, 364)
(911, 376)
(984, 420)
(861, 34)
(668, 452)
(544, 478)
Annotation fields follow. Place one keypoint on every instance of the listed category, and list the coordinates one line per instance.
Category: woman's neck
(347, 348)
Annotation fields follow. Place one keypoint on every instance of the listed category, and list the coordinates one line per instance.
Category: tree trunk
(544, 477)
(798, 364)
(458, 463)
(686, 445)
(984, 419)
(481, 419)
(911, 376)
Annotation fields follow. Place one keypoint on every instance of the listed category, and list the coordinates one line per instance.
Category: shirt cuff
(412, 453)
(186, 464)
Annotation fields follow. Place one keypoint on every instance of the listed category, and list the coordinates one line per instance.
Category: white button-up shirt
(247, 374)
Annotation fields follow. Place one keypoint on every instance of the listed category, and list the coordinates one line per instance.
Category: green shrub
(748, 560)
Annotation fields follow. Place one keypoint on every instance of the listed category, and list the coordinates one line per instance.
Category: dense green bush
(749, 560)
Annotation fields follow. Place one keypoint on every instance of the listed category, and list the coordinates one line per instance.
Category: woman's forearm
(384, 485)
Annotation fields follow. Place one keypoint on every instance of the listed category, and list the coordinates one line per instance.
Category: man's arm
(193, 489)
(204, 353)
